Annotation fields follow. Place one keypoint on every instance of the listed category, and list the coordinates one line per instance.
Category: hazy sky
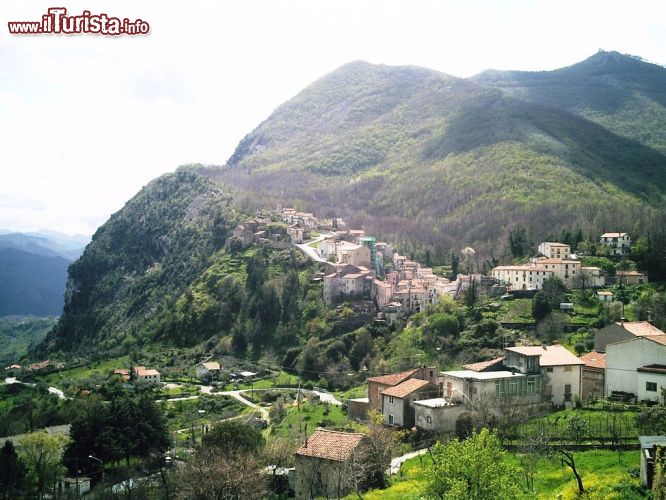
(87, 120)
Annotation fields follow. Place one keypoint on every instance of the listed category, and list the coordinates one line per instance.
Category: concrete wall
(357, 409)
(397, 409)
(643, 394)
(442, 419)
(315, 477)
(592, 384)
(559, 377)
(623, 359)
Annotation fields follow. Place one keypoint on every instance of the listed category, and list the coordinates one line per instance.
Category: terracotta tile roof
(594, 359)
(143, 372)
(551, 355)
(211, 365)
(613, 235)
(640, 328)
(406, 388)
(482, 365)
(555, 244)
(331, 445)
(393, 378)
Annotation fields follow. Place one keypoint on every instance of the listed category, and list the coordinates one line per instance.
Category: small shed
(76, 486)
(567, 307)
(649, 446)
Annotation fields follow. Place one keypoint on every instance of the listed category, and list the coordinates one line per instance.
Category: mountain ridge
(356, 139)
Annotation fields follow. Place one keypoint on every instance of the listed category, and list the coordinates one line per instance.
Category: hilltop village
(358, 268)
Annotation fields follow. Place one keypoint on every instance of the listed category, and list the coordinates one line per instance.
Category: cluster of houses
(355, 262)
(556, 260)
(629, 360)
(211, 370)
(139, 375)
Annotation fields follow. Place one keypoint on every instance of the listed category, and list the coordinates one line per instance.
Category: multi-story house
(552, 250)
(562, 371)
(397, 401)
(619, 243)
(348, 282)
(525, 277)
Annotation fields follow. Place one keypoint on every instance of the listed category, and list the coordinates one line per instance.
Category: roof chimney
(543, 346)
(306, 435)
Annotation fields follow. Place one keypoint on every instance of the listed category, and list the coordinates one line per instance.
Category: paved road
(52, 390)
(313, 253)
(397, 462)
(324, 397)
(238, 395)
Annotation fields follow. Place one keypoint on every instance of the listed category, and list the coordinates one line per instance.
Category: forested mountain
(31, 284)
(620, 92)
(163, 269)
(416, 155)
(412, 155)
(33, 271)
(143, 257)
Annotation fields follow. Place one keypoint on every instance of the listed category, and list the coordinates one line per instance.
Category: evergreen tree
(540, 306)
(12, 471)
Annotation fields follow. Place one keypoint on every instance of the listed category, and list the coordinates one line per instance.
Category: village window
(549, 369)
(499, 387)
(429, 419)
(390, 400)
(651, 386)
(418, 417)
(531, 385)
(567, 368)
(513, 387)
(391, 419)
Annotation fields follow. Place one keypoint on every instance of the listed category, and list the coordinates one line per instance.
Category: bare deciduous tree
(213, 475)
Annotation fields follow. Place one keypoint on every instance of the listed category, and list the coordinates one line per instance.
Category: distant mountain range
(33, 271)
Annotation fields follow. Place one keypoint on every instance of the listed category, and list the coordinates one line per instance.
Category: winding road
(312, 252)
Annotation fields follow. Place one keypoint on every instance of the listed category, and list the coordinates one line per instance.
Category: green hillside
(163, 270)
(140, 261)
(415, 155)
(622, 93)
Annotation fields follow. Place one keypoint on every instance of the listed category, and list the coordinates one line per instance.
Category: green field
(601, 425)
(604, 477)
(97, 368)
(311, 414)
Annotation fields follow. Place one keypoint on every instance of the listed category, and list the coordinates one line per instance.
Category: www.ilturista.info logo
(56, 21)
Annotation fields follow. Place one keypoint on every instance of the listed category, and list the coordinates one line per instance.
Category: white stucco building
(619, 243)
(552, 250)
(562, 370)
(637, 366)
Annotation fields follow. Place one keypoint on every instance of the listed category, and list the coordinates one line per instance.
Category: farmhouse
(322, 463)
